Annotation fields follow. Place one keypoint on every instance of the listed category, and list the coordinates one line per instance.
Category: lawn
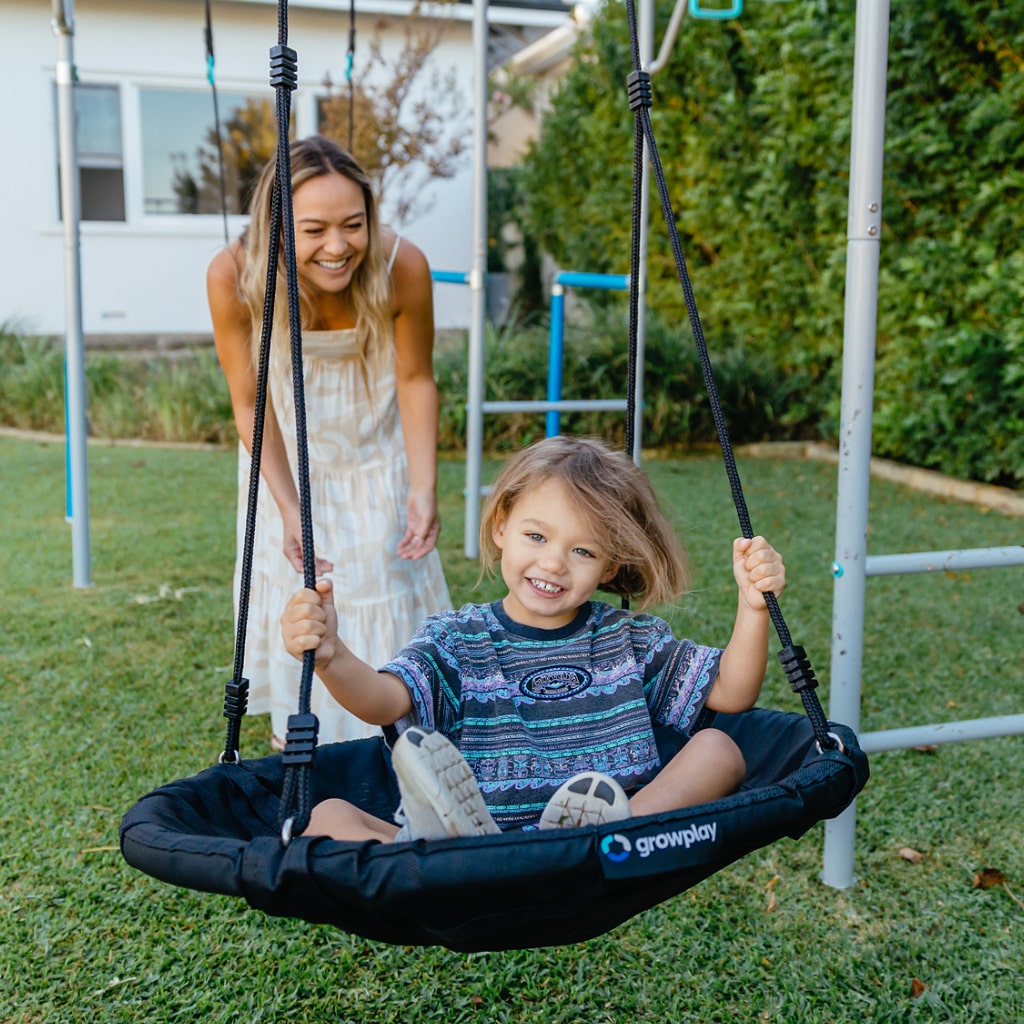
(110, 691)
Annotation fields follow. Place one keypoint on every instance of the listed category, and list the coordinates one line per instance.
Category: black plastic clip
(284, 67)
(638, 88)
(300, 742)
(236, 698)
(797, 667)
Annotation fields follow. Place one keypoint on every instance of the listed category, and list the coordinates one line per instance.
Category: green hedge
(752, 118)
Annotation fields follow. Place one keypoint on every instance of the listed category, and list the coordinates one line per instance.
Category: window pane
(102, 193)
(181, 170)
(98, 124)
(98, 141)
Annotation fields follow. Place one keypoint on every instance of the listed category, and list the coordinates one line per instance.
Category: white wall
(147, 275)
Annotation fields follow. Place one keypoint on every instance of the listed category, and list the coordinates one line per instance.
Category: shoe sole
(434, 773)
(585, 800)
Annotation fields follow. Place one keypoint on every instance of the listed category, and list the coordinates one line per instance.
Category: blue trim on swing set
(734, 10)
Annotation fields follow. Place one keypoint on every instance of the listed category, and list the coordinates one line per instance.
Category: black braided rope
(236, 692)
(797, 667)
(300, 742)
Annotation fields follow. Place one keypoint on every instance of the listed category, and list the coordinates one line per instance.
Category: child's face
(551, 560)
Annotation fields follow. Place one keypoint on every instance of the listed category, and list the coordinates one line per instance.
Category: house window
(180, 165)
(100, 161)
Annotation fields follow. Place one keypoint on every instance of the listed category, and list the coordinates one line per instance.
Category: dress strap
(394, 252)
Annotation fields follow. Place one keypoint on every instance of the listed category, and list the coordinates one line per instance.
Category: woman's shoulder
(403, 255)
(225, 269)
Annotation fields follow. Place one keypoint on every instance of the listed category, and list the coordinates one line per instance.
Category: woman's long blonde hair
(370, 290)
(615, 496)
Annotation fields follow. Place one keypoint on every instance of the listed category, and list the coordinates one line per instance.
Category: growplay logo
(616, 847)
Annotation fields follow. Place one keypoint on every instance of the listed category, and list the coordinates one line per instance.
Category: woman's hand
(424, 524)
(293, 545)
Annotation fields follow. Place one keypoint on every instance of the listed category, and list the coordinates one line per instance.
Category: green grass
(111, 691)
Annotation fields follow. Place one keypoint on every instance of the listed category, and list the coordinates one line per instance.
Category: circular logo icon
(555, 682)
(616, 847)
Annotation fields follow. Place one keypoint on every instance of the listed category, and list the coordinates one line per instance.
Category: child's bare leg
(341, 820)
(709, 767)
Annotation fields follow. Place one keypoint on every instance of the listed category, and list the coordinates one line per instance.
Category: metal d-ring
(839, 744)
(222, 759)
(286, 831)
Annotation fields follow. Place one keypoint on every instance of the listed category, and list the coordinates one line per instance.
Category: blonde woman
(371, 407)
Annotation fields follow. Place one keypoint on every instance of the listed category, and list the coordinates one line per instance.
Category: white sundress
(358, 488)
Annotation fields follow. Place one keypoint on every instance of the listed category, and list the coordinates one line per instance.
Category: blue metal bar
(607, 282)
(556, 336)
(450, 276)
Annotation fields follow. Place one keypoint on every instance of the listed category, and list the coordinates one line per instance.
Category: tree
(247, 141)
(752, 118)
(409, 118)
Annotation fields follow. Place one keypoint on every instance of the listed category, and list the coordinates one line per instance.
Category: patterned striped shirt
(529, 708)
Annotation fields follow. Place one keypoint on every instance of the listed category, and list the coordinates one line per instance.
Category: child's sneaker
(589, 798)
(440, 796)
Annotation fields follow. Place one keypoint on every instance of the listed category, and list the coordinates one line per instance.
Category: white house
(144, 108)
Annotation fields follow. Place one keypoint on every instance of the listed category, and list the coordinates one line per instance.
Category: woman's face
(331, 231)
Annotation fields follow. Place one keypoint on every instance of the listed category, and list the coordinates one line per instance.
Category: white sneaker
(589, 798)
(440, 796)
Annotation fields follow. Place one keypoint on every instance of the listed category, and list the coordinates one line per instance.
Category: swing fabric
(217, 832)
(234, 828)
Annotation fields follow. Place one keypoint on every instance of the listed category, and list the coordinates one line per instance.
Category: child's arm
(310, 623)
(758, 568)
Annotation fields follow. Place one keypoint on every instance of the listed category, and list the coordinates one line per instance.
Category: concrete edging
(1001, 499)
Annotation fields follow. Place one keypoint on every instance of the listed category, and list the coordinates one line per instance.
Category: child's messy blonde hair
(615, 497)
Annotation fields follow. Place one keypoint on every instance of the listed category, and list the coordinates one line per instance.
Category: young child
(538, 710)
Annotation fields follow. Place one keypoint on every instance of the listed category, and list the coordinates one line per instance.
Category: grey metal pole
(864, 225)
(942, 732)
(645, 42)
(477, 284)
(74, 349)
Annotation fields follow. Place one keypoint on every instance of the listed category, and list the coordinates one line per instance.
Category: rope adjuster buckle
(284, 67)
(797, 667)
(300, 741)
(638, 88)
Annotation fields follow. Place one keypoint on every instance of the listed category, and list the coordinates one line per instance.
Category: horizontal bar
(566, 405)
(450, 276)
(609, 282)
(943, 732)
(944, 561)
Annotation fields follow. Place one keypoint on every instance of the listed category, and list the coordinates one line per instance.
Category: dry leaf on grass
(988, 878)
(917, 988)
(910, 855)
(992, 878)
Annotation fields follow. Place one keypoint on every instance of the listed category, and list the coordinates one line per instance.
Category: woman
(371, 406)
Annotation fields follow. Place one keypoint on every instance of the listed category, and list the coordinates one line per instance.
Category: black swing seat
(217, 832)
